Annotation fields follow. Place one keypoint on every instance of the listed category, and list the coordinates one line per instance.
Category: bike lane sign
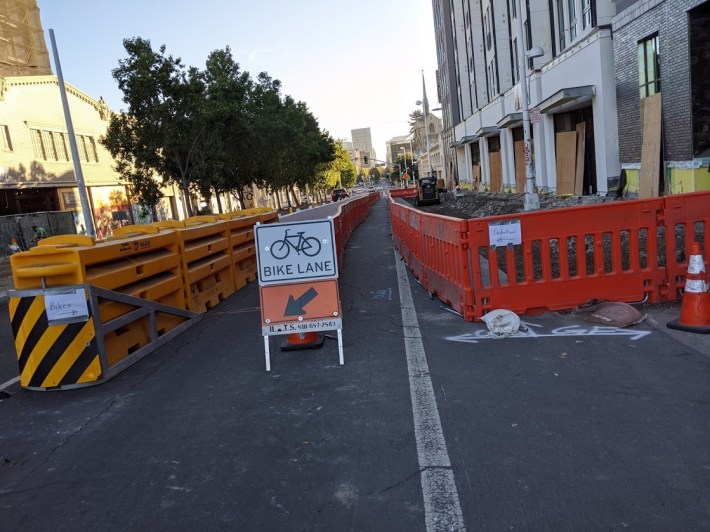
(295, 251)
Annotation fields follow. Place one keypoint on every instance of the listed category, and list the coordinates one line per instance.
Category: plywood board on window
(496, 169)
(650, 147)
(477, 177)
(579, 172)
(519, 150)
(566, 150)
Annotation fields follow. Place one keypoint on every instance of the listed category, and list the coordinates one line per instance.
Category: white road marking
(9, 383)
(442, 509)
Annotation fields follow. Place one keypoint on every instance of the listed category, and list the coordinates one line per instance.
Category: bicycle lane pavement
(572, 426)
(199, 434)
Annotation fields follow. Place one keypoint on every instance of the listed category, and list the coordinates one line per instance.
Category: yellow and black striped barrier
(61, 340)
(57, 356)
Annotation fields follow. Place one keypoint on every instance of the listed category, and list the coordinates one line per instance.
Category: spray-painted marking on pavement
(383, 294)
(567, 331)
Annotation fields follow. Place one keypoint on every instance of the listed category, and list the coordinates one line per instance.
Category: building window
(516, 65)
(649, 66)
(50, 145)
(488, 29)
(60, 144)
(572, 6)
(586, 13)
(87, 148)
(6, 142)
(561, 24)
(50, 154)
(37, 145)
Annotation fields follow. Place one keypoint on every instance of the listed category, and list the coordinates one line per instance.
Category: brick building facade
(682, 29)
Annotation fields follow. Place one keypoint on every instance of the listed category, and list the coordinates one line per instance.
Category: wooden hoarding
(566, 148)
(651, 146)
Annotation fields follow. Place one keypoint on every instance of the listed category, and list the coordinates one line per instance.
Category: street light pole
(532, 200)
(403, 170)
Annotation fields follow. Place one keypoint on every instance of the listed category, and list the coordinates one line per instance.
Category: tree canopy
(339, 172)
(210, 131)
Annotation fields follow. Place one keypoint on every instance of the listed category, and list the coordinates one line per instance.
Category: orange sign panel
(299, 302)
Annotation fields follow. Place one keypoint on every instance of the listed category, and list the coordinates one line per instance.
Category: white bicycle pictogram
(310, 246)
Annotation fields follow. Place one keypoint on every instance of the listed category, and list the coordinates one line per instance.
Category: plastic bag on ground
(501, 323)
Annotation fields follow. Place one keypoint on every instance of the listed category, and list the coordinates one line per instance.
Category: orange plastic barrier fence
(686, 219)
(629, 251)
(444, 248)
(403, 192)
(350, 215)
(567, 257)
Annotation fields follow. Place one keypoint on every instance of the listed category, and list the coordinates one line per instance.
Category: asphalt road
(430, 425)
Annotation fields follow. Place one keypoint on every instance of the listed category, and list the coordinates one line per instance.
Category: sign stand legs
(266, 353)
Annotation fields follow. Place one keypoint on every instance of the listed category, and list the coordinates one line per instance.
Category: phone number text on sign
(302, 327)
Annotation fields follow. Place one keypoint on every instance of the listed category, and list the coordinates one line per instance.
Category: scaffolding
(23, 49)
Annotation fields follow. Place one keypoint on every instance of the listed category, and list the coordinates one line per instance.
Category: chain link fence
(18, 227)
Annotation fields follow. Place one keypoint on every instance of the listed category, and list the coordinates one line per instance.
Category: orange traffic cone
(309, 340)
(695, 310)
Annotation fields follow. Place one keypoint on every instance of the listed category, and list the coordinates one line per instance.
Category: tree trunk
(154, 212)
(239, 194)
(187, 200)
(219, 201)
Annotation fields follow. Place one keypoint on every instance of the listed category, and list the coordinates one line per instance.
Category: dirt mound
(482, 204)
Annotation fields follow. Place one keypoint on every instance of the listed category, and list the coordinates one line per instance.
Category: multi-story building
(572, 92)
(588, 92)
(446, 84)
(398, 146)
(348, 147)
(37, 171)
(362, 143)
(36, 165)
(662, 52)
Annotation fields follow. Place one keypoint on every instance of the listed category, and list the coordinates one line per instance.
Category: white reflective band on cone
(696, 286)
(695, 264)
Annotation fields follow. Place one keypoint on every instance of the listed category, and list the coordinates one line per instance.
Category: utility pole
(532, 200)
(86, 210)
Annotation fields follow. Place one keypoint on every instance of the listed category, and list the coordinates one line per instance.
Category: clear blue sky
(355, 64)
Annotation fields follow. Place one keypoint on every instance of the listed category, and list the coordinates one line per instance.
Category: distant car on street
(338, 194)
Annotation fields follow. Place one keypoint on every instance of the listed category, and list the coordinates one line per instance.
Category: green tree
(222, 162)
(340, 171)
(163, 127)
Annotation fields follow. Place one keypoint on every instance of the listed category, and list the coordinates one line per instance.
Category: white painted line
(9, 383)
(442, 509)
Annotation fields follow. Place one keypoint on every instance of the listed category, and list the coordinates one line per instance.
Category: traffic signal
(365, 159)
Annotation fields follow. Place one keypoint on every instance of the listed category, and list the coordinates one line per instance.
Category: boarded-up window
(566, 150)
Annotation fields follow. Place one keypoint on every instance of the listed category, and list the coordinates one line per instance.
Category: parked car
(338, 194)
